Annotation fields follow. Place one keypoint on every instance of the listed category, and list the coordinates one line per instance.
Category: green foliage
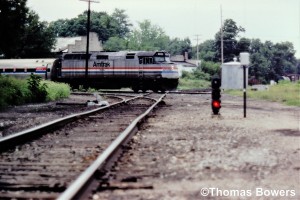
(194, 80)
(187, 83)
(210, 68)
(195, 75)
(22, 35)
(19, 91)
(38, 90)
(38, 39)
(148, 37)
(207, 51)
(12, 21)
(13, 91)
(177, 46)
(56, 91)
(105, 25)
(270, 61)
(230, 44)
(122, 22)
(91, 90)
(285, 92)
(115, 44)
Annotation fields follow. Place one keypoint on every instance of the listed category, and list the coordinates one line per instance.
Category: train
(138, 70)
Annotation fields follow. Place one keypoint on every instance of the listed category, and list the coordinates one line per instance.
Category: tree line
(23, 35)
(269, 61)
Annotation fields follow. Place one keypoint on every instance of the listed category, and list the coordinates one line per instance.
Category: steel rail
(21, 137)
(189, 92)
(76, 189)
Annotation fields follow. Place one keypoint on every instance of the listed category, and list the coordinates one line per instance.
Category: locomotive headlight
(174, 67)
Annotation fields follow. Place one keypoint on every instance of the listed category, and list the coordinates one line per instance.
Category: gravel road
(186, 153)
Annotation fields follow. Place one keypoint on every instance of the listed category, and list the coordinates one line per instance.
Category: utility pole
(88, 36)
(197, 39)
(222, 46)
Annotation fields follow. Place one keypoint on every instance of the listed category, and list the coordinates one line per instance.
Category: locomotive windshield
(158, 59)
(161, 57)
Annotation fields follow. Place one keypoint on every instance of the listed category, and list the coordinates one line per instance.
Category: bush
(194, 80)
(210, 68)
(15, 91)
(38, 90)
(56, 91)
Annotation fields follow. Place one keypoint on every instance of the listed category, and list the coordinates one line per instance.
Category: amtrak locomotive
(141, 70)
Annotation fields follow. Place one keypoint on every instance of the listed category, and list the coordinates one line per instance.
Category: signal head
(216, 104)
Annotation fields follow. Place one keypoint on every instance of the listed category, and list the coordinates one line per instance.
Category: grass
(284, 92)
(15, 91)
(185, 84)
(56, 90)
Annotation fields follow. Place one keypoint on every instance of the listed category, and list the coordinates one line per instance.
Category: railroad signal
(216, 95)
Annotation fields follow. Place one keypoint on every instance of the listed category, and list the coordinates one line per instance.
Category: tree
(210, 68)
(106, 26)
(230, 34)
(270, 61)
(38, 39)
(284, 61)
(22, 35)
(115, 44)
(177, 46)
(148, 37)
(122, 22)
(243, 45)
(207, 50)
(12, 21)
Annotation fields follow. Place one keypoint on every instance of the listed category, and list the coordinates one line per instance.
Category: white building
(77, 44)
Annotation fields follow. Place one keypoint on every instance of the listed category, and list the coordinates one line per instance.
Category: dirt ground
(18, 118)
(186, 153)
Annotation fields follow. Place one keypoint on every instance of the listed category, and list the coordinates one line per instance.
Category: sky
(273, 20)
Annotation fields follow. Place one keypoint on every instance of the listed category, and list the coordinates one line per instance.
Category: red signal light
(216, 104)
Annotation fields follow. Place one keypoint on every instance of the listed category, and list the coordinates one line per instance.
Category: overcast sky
(274, 20)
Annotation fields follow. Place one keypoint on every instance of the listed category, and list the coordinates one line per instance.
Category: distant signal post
(245, 61)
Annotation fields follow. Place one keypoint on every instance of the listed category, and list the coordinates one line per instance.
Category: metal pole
(222, 45)
(245, 96)
(88, 38)
(197, 38)
(87, 42)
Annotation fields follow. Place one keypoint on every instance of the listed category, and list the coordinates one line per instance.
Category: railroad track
(192, 91)
(46, 162)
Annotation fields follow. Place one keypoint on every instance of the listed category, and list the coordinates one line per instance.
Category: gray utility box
(232, 75)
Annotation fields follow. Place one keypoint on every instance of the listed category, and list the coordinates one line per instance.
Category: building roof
(75, 44)
(63, 42)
